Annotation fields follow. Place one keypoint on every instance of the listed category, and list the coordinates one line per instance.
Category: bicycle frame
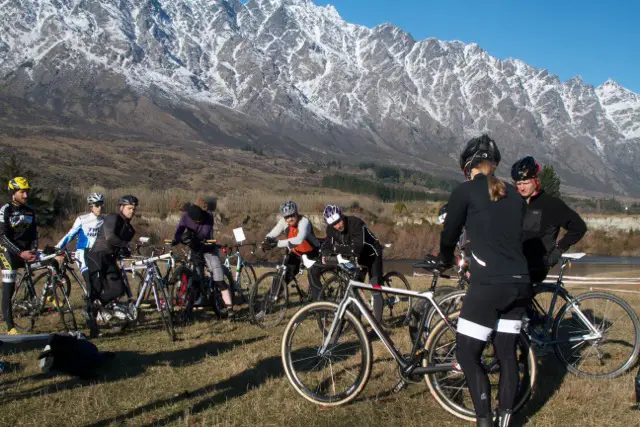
(406, 364)
(152, 272)
(559, 287)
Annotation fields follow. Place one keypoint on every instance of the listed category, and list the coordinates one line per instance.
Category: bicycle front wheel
(608, 356)
(450, 388)
(247, 279)
(269, 300)
(63, 305)
(24, 306)
(396, 309)
(333, 376)
(165, 309)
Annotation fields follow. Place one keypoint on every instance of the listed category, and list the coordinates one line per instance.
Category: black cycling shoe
(485, 422)
(504, 418)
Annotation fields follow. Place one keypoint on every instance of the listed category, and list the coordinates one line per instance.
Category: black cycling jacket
(494, 230)
(115, 234)
(544, 217)
(355, 240)
(18, 230)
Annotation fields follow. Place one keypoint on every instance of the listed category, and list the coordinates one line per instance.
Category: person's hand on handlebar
(28, 256)
(268, 243)
(437, 263)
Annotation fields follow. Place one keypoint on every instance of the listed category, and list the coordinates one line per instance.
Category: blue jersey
(86, 228)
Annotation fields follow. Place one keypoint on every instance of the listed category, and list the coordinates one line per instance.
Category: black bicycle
(27, 305)
(269, 297)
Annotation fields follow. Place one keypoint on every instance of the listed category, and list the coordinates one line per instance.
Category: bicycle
(184, 292)
(269, 297)
(570, 325)
(245, 275)
(154, 282)
(27, 305)
(328, 359)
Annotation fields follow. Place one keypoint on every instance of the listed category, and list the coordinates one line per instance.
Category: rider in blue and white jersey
(86, 229)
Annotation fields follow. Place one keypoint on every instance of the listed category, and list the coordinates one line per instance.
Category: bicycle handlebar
(152, 259)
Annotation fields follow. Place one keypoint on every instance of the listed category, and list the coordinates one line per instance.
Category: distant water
(582, 267)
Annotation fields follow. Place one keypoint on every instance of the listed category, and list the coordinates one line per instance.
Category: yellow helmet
(19, 183)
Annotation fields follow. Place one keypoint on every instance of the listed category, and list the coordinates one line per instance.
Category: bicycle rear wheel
(450, 389)
(607, 357)
(396, 309)
(339, 374)
(63, 305)
(269, 300)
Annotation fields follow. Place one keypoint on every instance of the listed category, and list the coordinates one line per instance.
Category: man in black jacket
(349, 236)
(19, 237)
(544, 217)
(102, 260)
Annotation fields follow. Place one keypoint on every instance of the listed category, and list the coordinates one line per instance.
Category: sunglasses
(287, 218)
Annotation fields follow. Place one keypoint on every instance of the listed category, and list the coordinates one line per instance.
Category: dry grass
(230, 374)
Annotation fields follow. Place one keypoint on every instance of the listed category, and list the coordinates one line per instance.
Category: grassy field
(227, 373)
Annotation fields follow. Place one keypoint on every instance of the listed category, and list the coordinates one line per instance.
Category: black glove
(48, 250)
(554, 257)
(431, 260)
(174, 242)
(269, 243)
(443, 264)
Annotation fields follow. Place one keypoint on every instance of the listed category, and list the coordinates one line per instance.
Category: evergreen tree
(549, 181)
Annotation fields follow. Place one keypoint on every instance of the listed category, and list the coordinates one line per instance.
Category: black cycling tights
(469, 352)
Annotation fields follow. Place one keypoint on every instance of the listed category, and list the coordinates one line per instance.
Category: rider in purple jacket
(194, 228)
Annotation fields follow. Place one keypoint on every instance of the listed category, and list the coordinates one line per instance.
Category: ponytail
(497, 188)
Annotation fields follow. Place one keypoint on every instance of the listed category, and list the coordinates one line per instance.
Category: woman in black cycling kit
(492, 213)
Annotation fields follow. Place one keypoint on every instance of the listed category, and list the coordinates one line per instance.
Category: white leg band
(473, 330)
(509, 326)
(9, 276)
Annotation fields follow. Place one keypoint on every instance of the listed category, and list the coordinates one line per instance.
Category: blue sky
(595, 39)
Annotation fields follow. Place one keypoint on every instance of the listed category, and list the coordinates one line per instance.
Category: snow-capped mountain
(294, 77)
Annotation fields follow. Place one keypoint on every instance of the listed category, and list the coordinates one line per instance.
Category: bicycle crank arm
(432, 369)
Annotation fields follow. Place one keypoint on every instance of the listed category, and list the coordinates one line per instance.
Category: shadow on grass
(130, 364)
(551, 375)
(206, 396)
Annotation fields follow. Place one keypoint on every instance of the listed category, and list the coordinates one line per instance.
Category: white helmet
(95, 198)
(288, 208)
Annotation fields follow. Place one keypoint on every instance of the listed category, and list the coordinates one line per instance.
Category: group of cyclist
(512, 232)
(512, 236)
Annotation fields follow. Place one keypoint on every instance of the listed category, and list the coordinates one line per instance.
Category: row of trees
(386, 193)
(396, 175)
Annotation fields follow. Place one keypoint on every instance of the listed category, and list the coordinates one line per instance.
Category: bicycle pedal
(402, 384)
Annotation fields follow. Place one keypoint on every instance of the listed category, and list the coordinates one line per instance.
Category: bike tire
(266, 310)
(460, 404)
(300, 342)
(63, 306)
(166, 310)
(334, 288)
(24, 306)
(396, 309)
(247, 279)
(627, 334)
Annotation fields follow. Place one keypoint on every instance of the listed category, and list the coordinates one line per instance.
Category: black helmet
(128, 200)
(478, 149)
(525, 168)
(195, 213)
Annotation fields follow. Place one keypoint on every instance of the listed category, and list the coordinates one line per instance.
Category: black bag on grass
(72, 354)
